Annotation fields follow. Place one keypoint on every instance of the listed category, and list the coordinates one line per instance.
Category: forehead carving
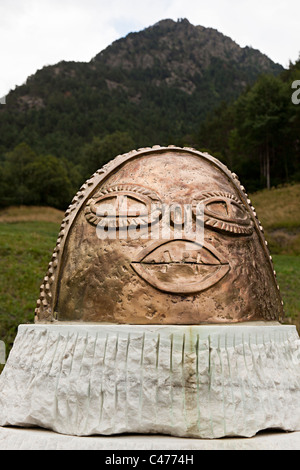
(136, 272)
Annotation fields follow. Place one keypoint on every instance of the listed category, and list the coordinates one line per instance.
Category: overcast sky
(34, 33)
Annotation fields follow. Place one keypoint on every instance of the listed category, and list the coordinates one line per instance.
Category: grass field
(25, 251)
(28, 236)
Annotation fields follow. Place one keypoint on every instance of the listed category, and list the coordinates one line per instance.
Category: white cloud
(34, 33)
(46, 32)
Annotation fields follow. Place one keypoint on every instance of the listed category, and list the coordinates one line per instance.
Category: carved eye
(122, 206)
(224, 212)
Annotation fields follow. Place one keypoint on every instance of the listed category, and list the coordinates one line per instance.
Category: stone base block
(186, 381)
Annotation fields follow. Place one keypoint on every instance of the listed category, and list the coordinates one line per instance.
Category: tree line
(27, 178)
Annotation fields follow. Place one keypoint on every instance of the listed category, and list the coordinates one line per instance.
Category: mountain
(155, 85)
(184, 56)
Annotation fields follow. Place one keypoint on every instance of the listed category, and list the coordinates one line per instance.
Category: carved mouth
(181, 266)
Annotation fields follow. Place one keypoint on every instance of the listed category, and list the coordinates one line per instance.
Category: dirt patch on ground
(284, 241)
(30, 214)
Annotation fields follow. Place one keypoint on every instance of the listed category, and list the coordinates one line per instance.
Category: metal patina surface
(109, 269)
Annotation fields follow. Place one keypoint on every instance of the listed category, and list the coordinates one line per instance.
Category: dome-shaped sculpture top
(162, 235)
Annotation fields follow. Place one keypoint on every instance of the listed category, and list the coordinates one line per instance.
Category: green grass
(288, 275)
(25, 251)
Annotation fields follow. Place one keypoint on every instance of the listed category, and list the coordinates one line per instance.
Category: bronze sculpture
(113, 277)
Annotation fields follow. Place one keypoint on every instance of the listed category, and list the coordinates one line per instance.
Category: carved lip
(181, 266)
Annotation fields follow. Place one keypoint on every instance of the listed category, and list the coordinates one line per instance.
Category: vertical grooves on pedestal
(256, 369)
(250, 400)
(289, 354)
(141, 378)
(265, 379)
(183, 380)
(241, 385)
(197, 382)
(36, 338)
(209, 371)
(76, 339)
(70, 371)
(59, 374)
(45, 349)
(254, 398)
(30, 358)
(290, 363)
(222, 377)
(230, 380)
(101, 388)
(171, 377)
(81, 361)
(157, 376)
(274, 353)
(126, 379)
(89, 386)
(157, 351)
(116, 383)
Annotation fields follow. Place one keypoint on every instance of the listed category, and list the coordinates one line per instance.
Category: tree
(48, 179)
(214, 133)
(15, 173)
(102, 150)
(31, 179)
(262, 115)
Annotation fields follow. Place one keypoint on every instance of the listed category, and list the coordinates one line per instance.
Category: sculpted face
(122, 263)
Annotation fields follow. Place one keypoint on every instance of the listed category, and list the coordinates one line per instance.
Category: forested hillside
(158, 86)
(258, 135)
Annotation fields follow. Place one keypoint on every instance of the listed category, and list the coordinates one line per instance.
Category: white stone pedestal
(185, 381)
